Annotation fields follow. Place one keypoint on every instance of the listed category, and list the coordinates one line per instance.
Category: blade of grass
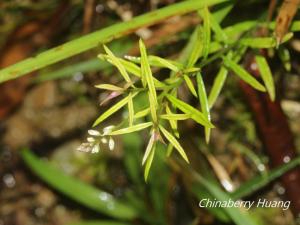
(217, 86)
(105, 35)
(149, 162)
(236, 214)
(203, 103)
(142, 113)
(113, 109)
(195, 47)
(266, 75)
(130, 109)
(262, 180)
(109, 87)
(148, 77)
(115, 61)
(175, 116)
(173, 123)
(243, 74)
(131, 129)
(190, 85)
(186, 108)
(174, 142)
(148, 148)
(206, 31)
(78, 191)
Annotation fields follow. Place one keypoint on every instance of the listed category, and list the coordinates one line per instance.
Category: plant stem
(93, 40)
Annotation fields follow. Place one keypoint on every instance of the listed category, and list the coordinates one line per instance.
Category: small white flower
(108, 129)
(104, 140)
(95, 149)
(94, 133)
(91, 139)
(111, 144)
(84, 147)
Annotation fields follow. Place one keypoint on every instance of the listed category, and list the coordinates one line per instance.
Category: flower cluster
(93, 141)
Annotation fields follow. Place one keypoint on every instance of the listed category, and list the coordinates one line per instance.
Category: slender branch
(92, 40)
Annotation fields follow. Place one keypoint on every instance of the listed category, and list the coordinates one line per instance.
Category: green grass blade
(129, 66)
(149, 162)
(131, 129)
(105, 35)
(175, 116)
(260, 181)
(130, 109)
(112, 110)
(266, 75)
(116, 62)
(148, 77)
(190, 85)
(285, 58)
(109, 87)
(204, 104)
(78, 191)
(264, 42)
(142, 113)
(164, 63)
(206, 31)
(217, 86)
(186, 108)
(215, 26)
(195, 47)
(236, 214)
(173, 123)
(148, 148)
(243, 74)
(174, 142)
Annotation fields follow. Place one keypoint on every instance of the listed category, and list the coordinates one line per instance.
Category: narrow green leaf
(157, 61)
(206, 31)
(264, 42)
(236, 214)
(260, 181)
(243, 74)
(195, 48)
(112, 110)
(149, 162)
(148, 148)
(215, 26)
(78, 191)
(266, 75)
(169, 149)
(142, 113)
(217, 86)
(131, 67)
(186, 108)
(174, 142)
(190, 85)
(130, 109)
(147, 75)
(118, 64)
(172, 116)
(285, 57)
(204, 104)
(109, 87)
(93, 39)
(131, 129)
(173, 123)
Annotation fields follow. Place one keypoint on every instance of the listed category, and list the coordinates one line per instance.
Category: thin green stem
(105, 35)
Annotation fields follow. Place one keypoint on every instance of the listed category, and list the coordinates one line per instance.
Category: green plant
(164, 107)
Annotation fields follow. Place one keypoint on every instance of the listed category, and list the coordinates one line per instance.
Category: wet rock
(46, 113)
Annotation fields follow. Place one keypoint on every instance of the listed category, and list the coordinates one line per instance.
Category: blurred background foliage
(48, 113)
